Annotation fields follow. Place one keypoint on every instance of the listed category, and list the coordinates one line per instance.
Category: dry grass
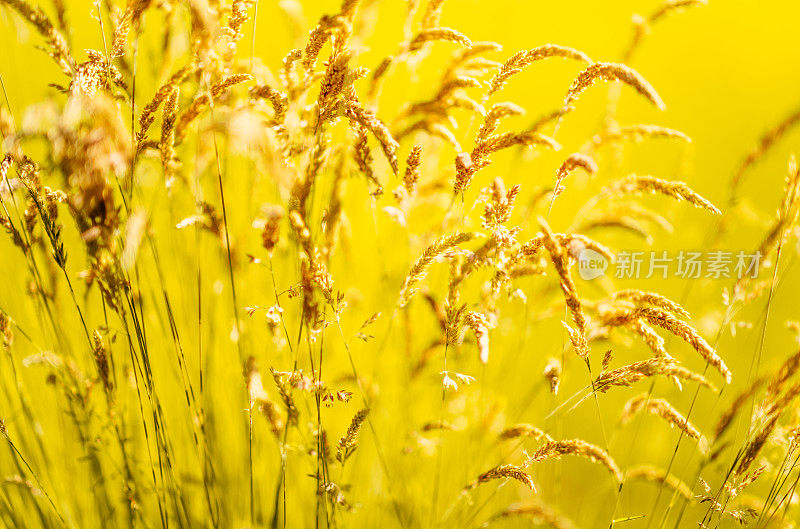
(184, 217)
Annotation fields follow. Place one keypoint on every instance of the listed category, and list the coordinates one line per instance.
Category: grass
(241, 293)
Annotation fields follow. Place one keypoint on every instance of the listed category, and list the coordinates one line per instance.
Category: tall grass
(241, 294)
